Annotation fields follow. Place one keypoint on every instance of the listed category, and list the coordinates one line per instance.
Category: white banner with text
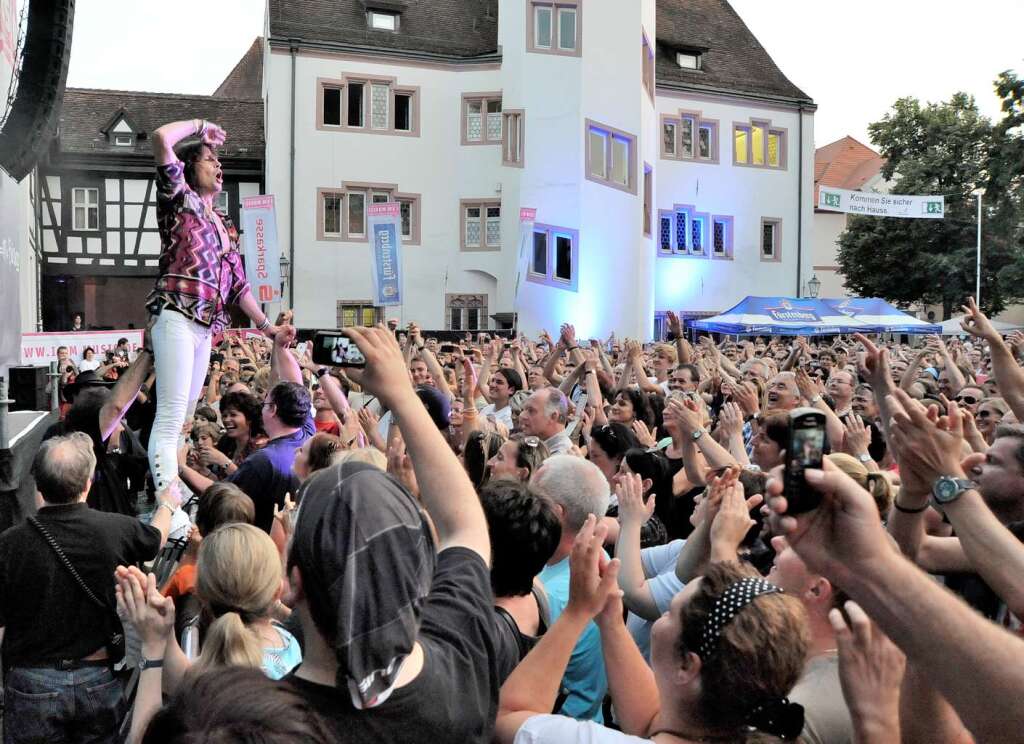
(881, 205)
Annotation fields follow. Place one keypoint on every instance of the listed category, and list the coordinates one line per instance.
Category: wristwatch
(864, 458)
(948, 489)
(697, 434)
(145, 664)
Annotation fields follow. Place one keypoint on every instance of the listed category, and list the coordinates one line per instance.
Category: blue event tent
(790, 316)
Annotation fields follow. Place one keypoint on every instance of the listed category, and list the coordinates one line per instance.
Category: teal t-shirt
(584, 676)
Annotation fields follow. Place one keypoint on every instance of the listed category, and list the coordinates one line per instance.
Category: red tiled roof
(845, 164)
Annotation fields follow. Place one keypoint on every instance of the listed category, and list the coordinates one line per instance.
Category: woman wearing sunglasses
(518, 458)
(989, 415)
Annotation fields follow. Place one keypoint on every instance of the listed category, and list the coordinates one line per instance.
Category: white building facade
(667, 165)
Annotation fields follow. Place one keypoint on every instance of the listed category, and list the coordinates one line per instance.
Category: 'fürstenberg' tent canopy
(790, 316)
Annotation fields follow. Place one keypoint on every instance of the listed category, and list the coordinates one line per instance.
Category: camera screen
(809, 444)
(342, 351)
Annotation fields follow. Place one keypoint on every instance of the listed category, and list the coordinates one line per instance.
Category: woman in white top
(723, 659)
(89, 360)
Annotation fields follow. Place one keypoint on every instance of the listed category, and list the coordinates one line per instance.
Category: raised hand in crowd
(871, 671)
(732, 521)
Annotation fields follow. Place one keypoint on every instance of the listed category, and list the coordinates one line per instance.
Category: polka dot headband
(737, 596)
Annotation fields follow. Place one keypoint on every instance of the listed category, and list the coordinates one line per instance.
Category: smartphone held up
(805, 450)
(334, 348)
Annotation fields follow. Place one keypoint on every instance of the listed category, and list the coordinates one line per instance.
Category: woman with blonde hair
(238, 584)
(874, 483)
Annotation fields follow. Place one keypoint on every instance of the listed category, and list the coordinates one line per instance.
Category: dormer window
(124, 140)
(382, 20)
(689, 60)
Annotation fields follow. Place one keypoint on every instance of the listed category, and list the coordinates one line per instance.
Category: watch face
(945, 489)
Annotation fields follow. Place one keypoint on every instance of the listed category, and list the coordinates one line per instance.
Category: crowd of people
(544, 539)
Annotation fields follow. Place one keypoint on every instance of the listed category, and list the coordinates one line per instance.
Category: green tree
(937, 148)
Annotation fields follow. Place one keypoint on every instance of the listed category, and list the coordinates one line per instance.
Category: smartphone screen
(333, 349)
(806, 450)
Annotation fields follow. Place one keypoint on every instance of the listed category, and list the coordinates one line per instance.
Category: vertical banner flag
(527, 218)
(262, 254)
(881, 205)
(385, 220)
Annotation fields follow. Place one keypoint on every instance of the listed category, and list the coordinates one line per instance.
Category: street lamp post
(813, 287)
(285, 266)
(977, 264)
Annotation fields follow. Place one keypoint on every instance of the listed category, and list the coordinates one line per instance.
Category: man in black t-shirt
(59, 686)
(399, 632)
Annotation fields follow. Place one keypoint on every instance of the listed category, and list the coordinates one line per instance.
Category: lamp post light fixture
(285, 266)
(813, 287)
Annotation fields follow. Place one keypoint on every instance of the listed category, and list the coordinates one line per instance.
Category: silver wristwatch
(948, 489)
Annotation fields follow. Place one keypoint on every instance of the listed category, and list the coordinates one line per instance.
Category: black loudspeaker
(27, 388)
(33, 117)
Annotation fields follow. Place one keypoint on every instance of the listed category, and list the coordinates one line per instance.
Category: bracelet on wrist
(907, 510)
(264, 325)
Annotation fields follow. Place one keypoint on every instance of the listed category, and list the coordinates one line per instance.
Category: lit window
(688, 60)
(758, 144)
(741, 145)
(383, 21)
(358, 313)
(85, 209)
(775, 140)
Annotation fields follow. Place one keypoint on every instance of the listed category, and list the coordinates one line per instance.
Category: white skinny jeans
(182, 350)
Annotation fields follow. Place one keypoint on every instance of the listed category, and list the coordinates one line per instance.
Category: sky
(853, 59)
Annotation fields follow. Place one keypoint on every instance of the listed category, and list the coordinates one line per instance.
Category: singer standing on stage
(201, 276)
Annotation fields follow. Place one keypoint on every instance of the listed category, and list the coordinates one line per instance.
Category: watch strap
(145, 664)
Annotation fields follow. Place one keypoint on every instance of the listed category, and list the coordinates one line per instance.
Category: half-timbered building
(95, 193)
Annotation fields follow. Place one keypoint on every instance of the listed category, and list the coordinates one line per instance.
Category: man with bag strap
(60, 633)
